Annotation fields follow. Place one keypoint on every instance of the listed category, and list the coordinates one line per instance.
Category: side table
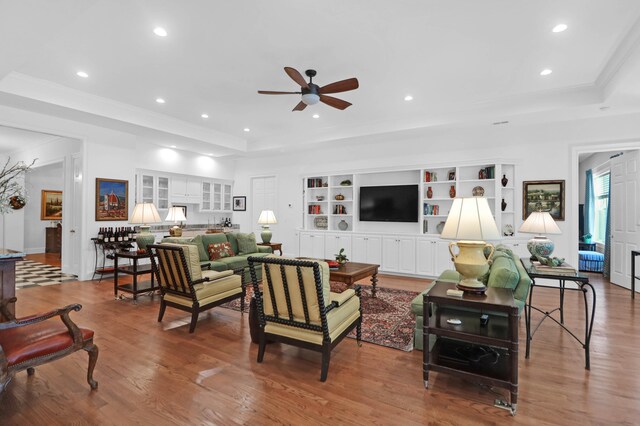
(500, 334)
(274, 246)
(135, 269)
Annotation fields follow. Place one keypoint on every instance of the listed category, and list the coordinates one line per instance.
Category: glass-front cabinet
(227, 197)
(216, 196)
(206, 196)
(163, 193)
(154, 189)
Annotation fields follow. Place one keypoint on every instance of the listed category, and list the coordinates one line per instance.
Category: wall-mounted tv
(393, 203)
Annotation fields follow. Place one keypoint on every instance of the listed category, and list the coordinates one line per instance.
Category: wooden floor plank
(158, 373)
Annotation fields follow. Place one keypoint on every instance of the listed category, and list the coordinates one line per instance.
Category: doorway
(263, 197)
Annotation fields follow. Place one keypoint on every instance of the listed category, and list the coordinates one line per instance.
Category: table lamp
(540, 223)
(266, 218)
(143, 215)
(175, 215)
(470, 220)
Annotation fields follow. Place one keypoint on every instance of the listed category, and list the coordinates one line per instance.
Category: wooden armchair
(298, 308)
(185, 286)
(31, 341)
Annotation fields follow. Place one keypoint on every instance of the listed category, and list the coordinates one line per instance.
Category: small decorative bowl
(319, 197)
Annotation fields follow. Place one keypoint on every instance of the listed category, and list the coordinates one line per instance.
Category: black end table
(135, 269)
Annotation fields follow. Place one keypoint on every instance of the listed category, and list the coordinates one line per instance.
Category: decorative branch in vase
(12, 192)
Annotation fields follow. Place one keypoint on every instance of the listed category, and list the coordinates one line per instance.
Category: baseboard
(38, 250)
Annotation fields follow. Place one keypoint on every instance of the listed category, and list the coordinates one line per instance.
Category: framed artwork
(183, 207)
(239, 204)
(543, 195)
(112, 199)
(452, 175)
(50, 205)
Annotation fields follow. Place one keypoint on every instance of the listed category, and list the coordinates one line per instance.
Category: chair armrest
(200, 281)
(341, 298)
(205, 266)
(63, 313)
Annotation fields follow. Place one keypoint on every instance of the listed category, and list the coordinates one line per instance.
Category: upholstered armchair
(297, 307)
(185, 286)
(37, 339)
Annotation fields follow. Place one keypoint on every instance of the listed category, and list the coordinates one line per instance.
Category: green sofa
(506, 271)
(228, 263)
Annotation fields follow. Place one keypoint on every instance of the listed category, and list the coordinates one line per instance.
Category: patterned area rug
(31, 274)
(387, 319)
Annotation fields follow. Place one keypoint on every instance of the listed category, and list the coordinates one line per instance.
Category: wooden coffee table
(351, 272)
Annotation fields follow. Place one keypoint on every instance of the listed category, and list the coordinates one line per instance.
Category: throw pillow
(503, 273)
(247, 243)
(220, 250)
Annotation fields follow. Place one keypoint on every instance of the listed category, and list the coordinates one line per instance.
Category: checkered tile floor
(30, 274)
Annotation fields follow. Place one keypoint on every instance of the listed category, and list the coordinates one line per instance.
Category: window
(601, 190)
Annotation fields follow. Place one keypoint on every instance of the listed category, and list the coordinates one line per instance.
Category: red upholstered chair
(37, 339)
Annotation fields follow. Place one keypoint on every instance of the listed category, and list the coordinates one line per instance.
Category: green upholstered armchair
(296, 306)
(186, 287)
(506, 271)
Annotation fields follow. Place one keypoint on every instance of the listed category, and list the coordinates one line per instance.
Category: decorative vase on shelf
(503, 205)
(504, 180)
(429, 192)
(452, 191)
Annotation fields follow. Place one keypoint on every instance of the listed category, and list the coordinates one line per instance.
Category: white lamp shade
(267, 218)
(540, 223)
(470, 219)
(145, 213)
(175, 214)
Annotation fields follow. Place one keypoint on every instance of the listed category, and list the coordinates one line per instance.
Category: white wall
(539, 151)
(592, 162)
(49, 177)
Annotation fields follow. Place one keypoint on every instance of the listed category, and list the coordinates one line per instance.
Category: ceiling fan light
(310, 98)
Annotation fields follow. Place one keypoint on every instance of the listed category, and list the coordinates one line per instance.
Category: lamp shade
(175, 214)
(267, 218)
(470, 219)
(145, 213)
(540, 223)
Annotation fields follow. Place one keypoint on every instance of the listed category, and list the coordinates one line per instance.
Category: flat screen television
(394, 203)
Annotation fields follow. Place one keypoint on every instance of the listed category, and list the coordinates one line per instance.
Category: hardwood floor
(52, 259)
(158, 373)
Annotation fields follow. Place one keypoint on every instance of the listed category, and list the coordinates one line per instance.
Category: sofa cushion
(220, 250)
(504, 273)
(202, 249)
(233, 240)
(234, 262)
(255, 254)
(196, 241)
(215, 265)
(215, 239)
(247, 243)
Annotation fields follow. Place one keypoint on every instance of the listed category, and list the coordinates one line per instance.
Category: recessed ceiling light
(205, 116)
(160, 100)
(82, 74)
(545, 71)
(160, 32)
(604, 108)
(408, 98)
(315, 116)
(210, 154)
(559, 28)
(172, 146)
(246, 129)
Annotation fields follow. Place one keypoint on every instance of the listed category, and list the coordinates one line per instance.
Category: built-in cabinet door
(344, 242)
(163, 193)
(306, 247)
(359, 249)
(425, 257)
(317, 246)
(374, 250)
(442, 257)
(194, 188)
(331, 246)
(217, 196)
(390, 254)
(178, 187)
(205, 205)
(148, 189)
(227, 197)
(407, 255)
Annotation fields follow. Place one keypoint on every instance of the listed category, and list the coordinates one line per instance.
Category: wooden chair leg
(194, 320)
(326, 357)
(93, 358)
(244, 292)
(163, 307)
(262, 344)
(359, 332)
(31, 371)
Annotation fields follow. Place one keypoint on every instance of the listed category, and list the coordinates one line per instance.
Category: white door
(72, 227)
(624, 215)
(390, 254)
(407, 255)
(263, 197)
(425, 257)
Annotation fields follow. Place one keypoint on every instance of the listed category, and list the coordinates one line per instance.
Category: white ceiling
(462, 60)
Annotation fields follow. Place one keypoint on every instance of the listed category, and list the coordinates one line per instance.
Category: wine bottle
(119, 235)
(100, 235)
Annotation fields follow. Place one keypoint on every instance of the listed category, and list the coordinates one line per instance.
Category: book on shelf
(314, 183)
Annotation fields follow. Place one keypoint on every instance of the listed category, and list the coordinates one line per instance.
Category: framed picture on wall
(183, 207)
(543, 195)
(50, 205)
(112, 199)
(239, 204)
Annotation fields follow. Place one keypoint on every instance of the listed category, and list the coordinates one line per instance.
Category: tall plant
(12, 191)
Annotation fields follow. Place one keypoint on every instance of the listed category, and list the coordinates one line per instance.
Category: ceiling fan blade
(296, 76)
(340, 86)
(300, 106)
(334, 102)
(271, 92)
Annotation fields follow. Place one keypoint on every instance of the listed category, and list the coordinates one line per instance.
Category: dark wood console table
(134, 269)
(8, 259)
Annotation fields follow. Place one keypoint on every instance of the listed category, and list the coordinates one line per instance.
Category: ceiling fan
(312, 93)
